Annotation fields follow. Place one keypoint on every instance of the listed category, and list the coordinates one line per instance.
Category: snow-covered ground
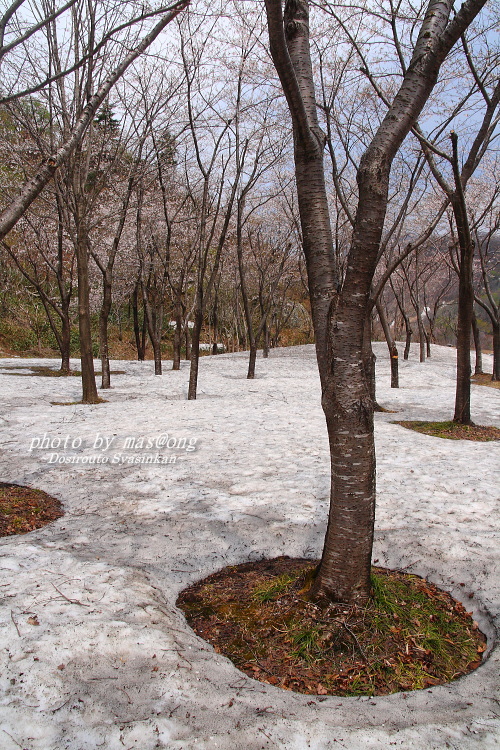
(112, 663)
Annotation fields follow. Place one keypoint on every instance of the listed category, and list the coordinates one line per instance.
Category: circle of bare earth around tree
(411, 635)
(453, 430)
(485, 379)
(24, 509)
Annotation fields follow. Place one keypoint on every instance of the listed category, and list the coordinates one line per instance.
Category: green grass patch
(409, 636)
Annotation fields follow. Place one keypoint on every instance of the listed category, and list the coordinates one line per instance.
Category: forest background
(173, 226)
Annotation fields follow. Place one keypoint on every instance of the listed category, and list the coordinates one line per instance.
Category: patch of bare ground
(24, 509)
(48, 372)
(485, 379)
(410, 635)
(453, 430)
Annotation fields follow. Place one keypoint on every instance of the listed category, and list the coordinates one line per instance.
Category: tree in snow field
(341, 310)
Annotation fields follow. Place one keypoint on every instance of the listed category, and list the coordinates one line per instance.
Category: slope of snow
(240, 474)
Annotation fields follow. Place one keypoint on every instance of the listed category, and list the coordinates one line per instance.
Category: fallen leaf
(33, 620)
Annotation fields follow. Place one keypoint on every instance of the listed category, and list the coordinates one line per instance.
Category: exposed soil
(24, 509)
(454, 431)
(411, 635)
(75, 403)
(485, 379)
(49, 372)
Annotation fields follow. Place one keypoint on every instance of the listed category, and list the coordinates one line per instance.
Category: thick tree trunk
(89, 388)
(478, 369)
(344, 573)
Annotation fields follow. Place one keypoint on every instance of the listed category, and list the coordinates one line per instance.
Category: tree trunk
(137, 331)
(89, 388)
(251, 361)
(215, 324)
(265, 347)
(195, 349)
(344, 573)
(154, 320)
(409, 333)
(103, 330)
(369, 361)
(391, 344)
(496, 352)
(465, 296)
(340, 315)
(478, 369)
(176, 361)
(244, 294)
(65, 342)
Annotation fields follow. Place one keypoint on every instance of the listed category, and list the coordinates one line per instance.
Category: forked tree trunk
(340, 315)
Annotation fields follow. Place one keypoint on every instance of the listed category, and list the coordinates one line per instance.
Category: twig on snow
(17, 628)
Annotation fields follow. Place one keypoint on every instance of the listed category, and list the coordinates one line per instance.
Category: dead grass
(453, 430)
(75, 403)
(24, 509)
(410, 636)
(48, 372)
(485, 379)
